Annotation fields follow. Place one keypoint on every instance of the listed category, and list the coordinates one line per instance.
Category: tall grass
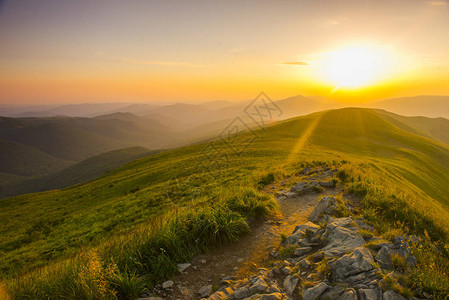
(122, 267)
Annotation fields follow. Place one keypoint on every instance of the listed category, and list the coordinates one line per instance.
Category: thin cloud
(295, 63)
(437, 3)
(148, 62)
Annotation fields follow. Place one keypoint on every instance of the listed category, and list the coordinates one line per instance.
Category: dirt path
(249, 253)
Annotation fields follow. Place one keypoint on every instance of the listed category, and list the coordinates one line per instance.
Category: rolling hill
(133, 212)
(83, 171)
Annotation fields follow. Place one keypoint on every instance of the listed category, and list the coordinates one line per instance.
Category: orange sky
(109, 51)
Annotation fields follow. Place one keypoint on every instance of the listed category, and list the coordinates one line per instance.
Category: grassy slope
(84, 171)
(436, 128)
(181, 181)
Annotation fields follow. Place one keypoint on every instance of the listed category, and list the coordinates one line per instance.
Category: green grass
(154, 212)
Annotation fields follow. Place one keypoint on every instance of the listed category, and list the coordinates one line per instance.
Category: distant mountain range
(48, 142)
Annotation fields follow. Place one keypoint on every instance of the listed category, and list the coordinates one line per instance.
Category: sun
(354, 67)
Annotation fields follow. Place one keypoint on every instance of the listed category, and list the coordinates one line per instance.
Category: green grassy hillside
(191, 199)
(436, 128)
(83, 171)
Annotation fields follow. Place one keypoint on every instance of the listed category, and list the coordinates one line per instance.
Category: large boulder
(353, 264)
(326, 205)
(341, 240)
(400, 247)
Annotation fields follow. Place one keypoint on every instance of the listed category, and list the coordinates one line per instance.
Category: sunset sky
(56, 51)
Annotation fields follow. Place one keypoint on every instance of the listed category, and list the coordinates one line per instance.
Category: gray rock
(370, 294)
(333, 293)
(391, 295)
(290, 283)
(383, 257)
(314, 292)
(299, 187)
(341, 222)
(300, 232)
(359, 261)
(183, 267)
(205, 291)
(304, 263)
(273, 296)
(327, 184)
(349, 294)
(363, 225)
(342, 240)
(260, 286)
(306, 170)
(167, 284)
(302, 250)
(325, 205)
(241, 293)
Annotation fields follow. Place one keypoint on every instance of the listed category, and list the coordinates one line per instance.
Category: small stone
(203, 261)
(183, 267)
(167, 284)
(205, 291)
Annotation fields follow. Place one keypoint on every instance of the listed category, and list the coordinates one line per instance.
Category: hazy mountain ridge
(83, 171)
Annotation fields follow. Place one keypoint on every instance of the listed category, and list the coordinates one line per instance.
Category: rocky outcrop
(327, 261)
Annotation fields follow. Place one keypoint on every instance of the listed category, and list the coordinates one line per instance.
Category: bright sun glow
(354, 67)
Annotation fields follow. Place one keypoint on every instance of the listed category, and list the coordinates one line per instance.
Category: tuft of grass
(284, 237)
(366, 234)
(252, 203)
(285, 252)
(323, 269)
(398, 262)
